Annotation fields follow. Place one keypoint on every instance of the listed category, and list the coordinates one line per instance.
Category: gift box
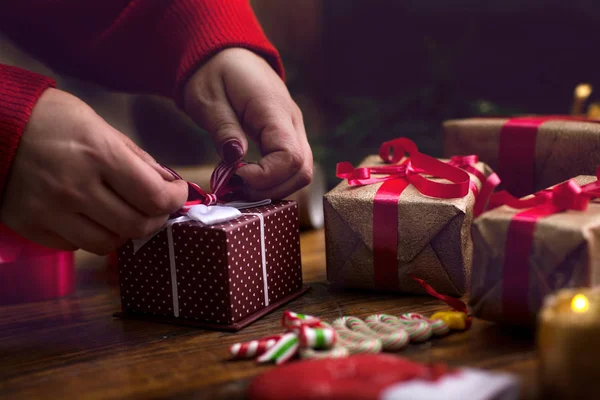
(222, 276)
(529, 248)
(30, 272)
(380, 229)
(528, 153)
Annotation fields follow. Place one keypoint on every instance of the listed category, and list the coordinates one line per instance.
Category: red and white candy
(253, 348)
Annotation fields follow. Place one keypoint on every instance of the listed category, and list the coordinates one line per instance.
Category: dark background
(378, 69)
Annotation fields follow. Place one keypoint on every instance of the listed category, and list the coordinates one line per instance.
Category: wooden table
(74, 348)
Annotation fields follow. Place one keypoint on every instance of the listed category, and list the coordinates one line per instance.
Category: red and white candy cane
(359, 338)
(285, 348)
(317, 338)
(438, 326)
(253, 348)
(294, 320)
(418, 330)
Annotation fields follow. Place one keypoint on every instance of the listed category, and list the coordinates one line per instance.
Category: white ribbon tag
(210, 215)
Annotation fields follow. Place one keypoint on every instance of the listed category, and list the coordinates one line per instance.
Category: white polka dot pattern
(145, 277)
(219, 267)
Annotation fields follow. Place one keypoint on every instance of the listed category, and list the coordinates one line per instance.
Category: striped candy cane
(252, 348)
(283, 350)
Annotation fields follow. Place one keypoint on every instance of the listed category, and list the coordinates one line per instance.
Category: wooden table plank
(74, 348)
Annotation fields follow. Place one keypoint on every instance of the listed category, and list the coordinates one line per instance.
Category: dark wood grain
(74, 348)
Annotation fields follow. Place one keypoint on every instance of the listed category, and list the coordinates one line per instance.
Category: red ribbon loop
(412, 169)
(220, 185)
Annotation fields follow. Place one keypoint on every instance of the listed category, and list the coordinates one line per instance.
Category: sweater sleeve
(19, 91)
(147, 46)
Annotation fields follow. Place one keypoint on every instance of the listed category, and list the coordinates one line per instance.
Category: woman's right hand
(76, 182)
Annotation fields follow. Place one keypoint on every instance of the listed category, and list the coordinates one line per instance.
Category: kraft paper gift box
(528, 153)
(524, 254)
(421, 235)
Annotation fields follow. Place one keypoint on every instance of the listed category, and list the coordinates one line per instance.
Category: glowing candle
(582, 93)
(569, 344)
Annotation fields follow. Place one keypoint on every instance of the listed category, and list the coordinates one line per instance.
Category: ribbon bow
(220, 186)
(413, 169)
(565, 196)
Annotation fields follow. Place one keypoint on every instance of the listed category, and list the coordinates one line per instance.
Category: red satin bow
(412, 169)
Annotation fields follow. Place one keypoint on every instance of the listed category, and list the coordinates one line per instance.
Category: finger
(113, 213)
(141, 186)
(283, 155)
(212, 111)
(85, 233)
(148, 159)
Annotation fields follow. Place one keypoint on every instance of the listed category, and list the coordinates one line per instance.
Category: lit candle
(569, 344)
(582, 93)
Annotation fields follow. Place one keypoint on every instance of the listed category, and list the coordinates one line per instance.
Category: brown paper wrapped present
(524, 254)
(430, 237)
(528, 153)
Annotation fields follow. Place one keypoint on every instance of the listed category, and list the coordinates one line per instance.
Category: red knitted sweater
(146, 46)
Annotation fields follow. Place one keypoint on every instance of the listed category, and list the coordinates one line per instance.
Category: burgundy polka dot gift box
(221, 276)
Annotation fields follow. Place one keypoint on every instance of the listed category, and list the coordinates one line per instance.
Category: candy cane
(253, 348)
(438, 326)
(291, 319)
(418, 329)
(392, 339)
(355, 342)
(283, 350)
(317, 338)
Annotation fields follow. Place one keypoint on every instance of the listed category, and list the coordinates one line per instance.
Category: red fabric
(146, 46)
(19, 91)
(360, 377)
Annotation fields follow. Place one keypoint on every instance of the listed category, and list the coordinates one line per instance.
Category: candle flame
(583, 90)
(580, 303)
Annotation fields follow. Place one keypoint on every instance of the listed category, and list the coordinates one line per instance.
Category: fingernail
(232, 151)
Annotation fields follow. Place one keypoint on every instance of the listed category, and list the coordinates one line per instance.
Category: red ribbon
(30, 272)
(413, 170)
(520, 235)
(456, 304)
(220, 185)
(516, 151)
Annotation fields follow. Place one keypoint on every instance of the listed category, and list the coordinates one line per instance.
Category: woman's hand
(236, 93)
(76, 182)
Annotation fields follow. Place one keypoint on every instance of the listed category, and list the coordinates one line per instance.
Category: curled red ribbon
(519, 238)
(414, 170)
